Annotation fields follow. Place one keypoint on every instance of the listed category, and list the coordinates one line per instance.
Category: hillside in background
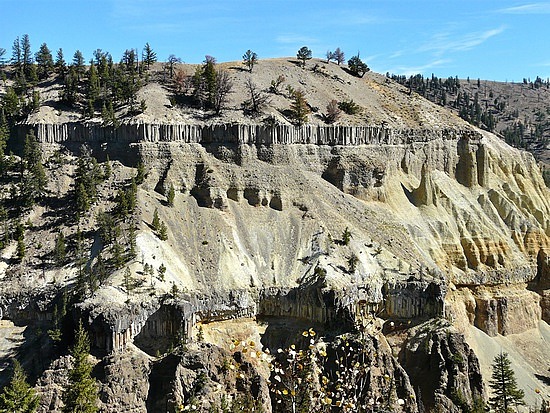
(518, 112)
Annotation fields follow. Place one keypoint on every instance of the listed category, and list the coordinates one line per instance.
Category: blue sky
(490, 39)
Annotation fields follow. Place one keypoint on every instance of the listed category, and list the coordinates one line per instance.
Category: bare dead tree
(257, 98)
(339, 56)
(333, 112)
(223, 87)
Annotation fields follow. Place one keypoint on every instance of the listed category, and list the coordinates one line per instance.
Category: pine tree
(503, 383)
(156, 221)
(121, 204)
(21, 248)
(16, 57)
(209, 78)
(171, 195)
(107, 171)
(78, 64)
(118, 255)
(148, 56)
(92, 91)
(132, 195)
(304, 54)
(18, 396)
(163, 231)
(132, 242)
(357, 67)
(140, 176)
(4, 136)
(162, 271)
(26, 56)
(44, 60)
(60, 64)
(128, 282)
(346, 236)
(60, 249)
(250, 59)
(32, 157)
(82, 199)
(80, 396)
(299, 108)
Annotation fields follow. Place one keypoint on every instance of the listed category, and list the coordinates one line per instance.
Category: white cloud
(532, 8)
(413, 70)
(445, 42)
(295, 39)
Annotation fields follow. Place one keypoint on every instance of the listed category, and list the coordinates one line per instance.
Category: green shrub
(349, 107)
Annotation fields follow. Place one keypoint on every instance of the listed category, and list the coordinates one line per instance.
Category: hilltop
(379, 99)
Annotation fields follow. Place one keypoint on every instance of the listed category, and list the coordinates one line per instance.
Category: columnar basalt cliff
(236, 133)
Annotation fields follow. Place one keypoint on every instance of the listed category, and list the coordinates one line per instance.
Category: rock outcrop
(444, 368)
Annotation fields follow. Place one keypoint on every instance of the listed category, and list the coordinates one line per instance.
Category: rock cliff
(435, 228)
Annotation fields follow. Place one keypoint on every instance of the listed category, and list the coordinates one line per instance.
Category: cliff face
(444, 223)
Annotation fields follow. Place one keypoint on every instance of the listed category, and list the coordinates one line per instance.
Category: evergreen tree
(299, 108)
(163, 231)
(26, 56)
(121, 203)
(93, 88)
(357, 67)
(78, 64)
(60, 64)
(171, 195)
(162, 271)
(209, 78)
(140, 176)
(148, 56)
(44, 60)
(11, 105)
(107, 171)
(304, 54)
(21, 248)
(131, 196)
(132, 242)
(18, 396)
(4, 136)
(127, 279)
(80, 396)
(60, 249)
(118, 255)
(34, 178)
(503, 383)
(69, 93)
(128, 79)
(100, 269)
(16, 57)
(250, 59)
(156, 220)
(346, 236)
(82, 198)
